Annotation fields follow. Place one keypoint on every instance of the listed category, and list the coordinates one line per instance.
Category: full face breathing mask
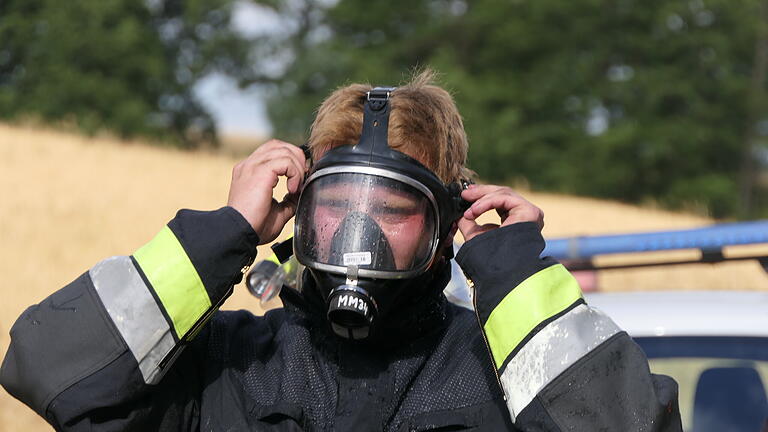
(369, 222)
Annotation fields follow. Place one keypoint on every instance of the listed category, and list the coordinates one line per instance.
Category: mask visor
(374, 222)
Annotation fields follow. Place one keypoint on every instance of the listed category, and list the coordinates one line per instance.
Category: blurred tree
(633, 100)
(122, 65)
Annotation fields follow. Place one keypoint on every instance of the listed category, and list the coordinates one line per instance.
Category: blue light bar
(710, 238)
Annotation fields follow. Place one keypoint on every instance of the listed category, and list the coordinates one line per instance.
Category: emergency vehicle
(714, 343)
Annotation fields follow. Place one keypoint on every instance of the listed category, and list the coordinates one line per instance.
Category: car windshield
(722, 380)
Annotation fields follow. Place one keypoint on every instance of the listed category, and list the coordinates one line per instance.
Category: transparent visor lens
(365, 220)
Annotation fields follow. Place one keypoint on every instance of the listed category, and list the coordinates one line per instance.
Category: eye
(334, 205)
(398, 210)
(396, 214)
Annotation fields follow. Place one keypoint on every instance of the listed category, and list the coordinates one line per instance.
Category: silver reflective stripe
(134, 312)
(551, 351)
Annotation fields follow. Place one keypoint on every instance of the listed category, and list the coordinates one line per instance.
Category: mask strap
(454, 189)
(373, 138)
(307, 153)
(460, 205)
(352, 275)
(283, 250)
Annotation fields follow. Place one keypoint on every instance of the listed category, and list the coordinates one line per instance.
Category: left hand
(510, 206)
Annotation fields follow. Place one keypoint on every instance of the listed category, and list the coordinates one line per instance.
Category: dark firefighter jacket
(138, 343)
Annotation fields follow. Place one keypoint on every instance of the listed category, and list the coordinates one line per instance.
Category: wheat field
(69, 201)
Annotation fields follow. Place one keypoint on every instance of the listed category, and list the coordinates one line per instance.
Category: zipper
(203, 320)
(193, 332)
(471, 284)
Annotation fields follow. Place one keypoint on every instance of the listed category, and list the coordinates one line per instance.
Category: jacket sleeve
(563, 365)
(97, 354)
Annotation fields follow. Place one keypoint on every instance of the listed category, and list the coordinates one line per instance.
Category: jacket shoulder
(235, 329)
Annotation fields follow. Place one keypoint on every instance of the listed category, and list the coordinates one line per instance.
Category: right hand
(253, 180)
(509, 205)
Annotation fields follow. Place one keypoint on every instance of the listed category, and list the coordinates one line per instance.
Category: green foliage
(631, 100)
(640, 101)
(121, 65)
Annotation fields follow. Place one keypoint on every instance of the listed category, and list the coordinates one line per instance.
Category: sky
(240, 112)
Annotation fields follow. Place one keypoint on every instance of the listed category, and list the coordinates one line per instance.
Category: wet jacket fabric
(138, 343)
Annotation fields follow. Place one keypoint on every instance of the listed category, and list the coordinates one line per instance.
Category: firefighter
(368, 341)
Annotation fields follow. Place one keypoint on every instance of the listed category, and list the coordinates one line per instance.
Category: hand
(254, 179)
(510, 206)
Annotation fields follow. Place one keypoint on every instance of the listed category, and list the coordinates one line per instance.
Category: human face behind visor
(377, 223)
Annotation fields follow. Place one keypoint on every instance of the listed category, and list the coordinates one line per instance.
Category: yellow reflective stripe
(174, 279)
(536, 299)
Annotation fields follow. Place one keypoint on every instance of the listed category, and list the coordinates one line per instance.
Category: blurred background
(612, 116)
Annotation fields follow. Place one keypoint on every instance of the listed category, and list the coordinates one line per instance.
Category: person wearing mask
(367, 340)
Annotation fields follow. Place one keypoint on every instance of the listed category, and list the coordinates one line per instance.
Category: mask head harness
(371, 220)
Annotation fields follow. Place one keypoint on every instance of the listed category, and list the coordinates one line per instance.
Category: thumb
(470, 229)
(466, 226)
(278, 216)
(285, 210)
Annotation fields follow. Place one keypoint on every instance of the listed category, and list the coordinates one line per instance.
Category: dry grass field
(69, 201)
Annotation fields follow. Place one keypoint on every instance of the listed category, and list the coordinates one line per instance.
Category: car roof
(686, 313)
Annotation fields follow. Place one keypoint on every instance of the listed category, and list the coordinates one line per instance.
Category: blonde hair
(424, 123)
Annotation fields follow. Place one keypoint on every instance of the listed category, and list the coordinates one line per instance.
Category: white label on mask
(357, 258)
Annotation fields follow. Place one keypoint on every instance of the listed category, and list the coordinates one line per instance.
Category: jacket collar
(421, 312)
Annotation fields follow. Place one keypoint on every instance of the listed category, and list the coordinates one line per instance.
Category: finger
(295, 150)
(275, 164)
(291, 149)
(269, 145)
(524, 214)
(276, 148)
(278, 216)
(540, 221)
(298, 160)
(264, 147)
(298, 152)
(285, 210)
(470, 229)
(466, 226)
(284, 166)
(294, 182)
(264, 153)
(502, 201)
(475, 192)
(278, 152)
